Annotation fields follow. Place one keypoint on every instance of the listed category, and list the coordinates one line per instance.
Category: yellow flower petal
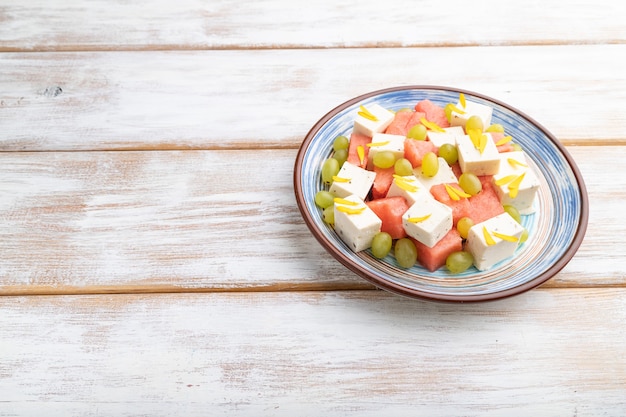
(432, 126)
(340, 179)
(488, 239)
(502, 236)
(462, 100)
(504, 140)
(418, 219)
(375, 144)
(363, 112)
(360, 150)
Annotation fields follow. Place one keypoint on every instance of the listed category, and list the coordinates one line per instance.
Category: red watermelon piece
(434, 112)
(382, 182)
(414, 150)
(357, 140)
(456, 169)
(485, 204)
(390, 211)
(416, 116)
(507, 147)
(460, 208)
(399, 123)
(435, 257)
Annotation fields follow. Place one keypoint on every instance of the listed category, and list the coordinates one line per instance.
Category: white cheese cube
(443, 175)
(512, 191)
(502, 239)
(441, 138)
(356, 224)
(352, 180)
(471, 109)
(385, 142)
(368, 127)
(410, 188)
(427, 221)
(472, 160)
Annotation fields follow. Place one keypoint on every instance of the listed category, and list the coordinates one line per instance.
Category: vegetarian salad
(438, 186)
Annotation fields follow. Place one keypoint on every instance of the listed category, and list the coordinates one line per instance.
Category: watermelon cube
(399, 123)
(414, 150)
(357, 140)
(435, 257)
(390, 211)
(434, 112)
(460, 208)
(485, 204)
(382, 182)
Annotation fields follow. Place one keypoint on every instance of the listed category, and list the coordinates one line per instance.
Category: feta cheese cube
(441, 138)
(443, 175)
(427, 221)
(471, 109)
(352, 180)
(493, 240)
(408, 187)
(355, 223)
(512, 191)
(472, 160)
(385, 142)
(368, 127)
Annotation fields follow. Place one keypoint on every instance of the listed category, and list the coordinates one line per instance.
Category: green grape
(417, 132)
(517, 147)
(495, 128)
(330, 168)
(470, 183)
(403, 167)
(329, 215)
(384, 159)
(324, 199)
(341, 156)
(430, 164)
(463, 226)
(449, 152)
(448, 111)
(458, 262)
(513, 212)
(405, 252)
(341, 142)
(524, 236)
(381, 244)
(474, 122)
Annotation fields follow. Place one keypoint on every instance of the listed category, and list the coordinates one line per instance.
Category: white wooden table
(154, 262)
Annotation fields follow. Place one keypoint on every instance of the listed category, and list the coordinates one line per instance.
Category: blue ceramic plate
(556, 229)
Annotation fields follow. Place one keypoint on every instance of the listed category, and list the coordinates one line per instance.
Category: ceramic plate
(556, 229)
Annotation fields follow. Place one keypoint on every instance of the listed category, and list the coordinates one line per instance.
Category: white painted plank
(195, 24)
(204, 220)
(87, 101)
(548, 353)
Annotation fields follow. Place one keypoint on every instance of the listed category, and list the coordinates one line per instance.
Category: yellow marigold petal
(349, 210)
(488, 239)
(462, 100)
(345, 202)
(363, 112)
(405, 184)
(375, 144)
(418, 219)
(482, 143)
(432, 126)
(340, 179)
(456, 109)
(360, 150)
(505, 180)
(502, 236)
(475, 135)
(514, 186)
(515, 163)
(504, 140)
(452, 193)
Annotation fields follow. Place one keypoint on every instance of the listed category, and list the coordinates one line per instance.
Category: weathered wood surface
(40, 25)
(137, 136)
(251, 99)
(211, 220)
(557, 352)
